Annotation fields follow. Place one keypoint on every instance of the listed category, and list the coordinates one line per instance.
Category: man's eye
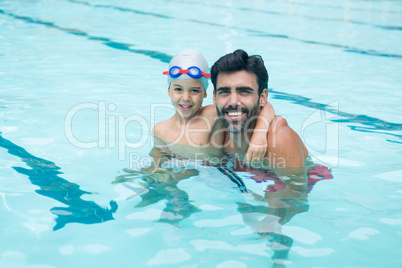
(245, 91)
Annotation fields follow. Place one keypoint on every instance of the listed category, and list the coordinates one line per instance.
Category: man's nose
(234, 99)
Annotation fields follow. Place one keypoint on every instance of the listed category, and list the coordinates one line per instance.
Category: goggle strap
(206, 75)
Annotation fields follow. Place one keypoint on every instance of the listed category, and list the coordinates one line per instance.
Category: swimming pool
(80, 78)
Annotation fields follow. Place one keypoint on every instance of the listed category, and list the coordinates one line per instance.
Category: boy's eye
(195, 91)
(178, 89)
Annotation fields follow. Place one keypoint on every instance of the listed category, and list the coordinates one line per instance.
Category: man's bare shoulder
(280, 133)
(284, 142)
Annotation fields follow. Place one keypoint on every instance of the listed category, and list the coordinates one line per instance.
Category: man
(240, 90)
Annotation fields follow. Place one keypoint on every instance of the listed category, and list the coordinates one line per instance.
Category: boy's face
(187, 96)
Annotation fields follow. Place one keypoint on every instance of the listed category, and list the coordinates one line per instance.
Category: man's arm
(258, 143)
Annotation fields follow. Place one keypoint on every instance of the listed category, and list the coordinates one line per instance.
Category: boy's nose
(186, 96)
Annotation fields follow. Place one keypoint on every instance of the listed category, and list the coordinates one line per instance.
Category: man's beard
(239, 125)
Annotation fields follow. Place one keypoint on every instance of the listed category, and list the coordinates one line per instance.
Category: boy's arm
(216, 135)
(259, 141)
(158, 152)
(159, 157)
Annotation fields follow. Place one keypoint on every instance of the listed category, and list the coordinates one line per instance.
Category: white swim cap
(188, 64)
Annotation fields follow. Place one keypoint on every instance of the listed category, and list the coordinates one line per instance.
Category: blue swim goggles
(193, 72)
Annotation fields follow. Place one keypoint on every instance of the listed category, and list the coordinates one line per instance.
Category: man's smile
(235, 115)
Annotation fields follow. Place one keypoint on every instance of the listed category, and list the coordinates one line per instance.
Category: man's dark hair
(238, 61)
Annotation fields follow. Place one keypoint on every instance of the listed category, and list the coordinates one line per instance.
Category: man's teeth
(234, 113)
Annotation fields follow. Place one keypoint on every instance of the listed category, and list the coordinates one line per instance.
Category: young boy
(192, 124)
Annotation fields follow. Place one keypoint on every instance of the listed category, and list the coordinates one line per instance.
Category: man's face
(237, 101)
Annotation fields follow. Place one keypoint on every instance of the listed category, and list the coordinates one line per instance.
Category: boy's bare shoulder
(209, 111)
(160, 128)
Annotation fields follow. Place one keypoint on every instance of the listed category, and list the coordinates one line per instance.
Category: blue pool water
(81, 87)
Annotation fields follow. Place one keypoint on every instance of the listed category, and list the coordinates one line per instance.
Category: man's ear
(169, 91)
(205, 93)
(263, 97)
(213, 98)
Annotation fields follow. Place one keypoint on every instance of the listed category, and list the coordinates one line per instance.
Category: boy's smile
(185, 108)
